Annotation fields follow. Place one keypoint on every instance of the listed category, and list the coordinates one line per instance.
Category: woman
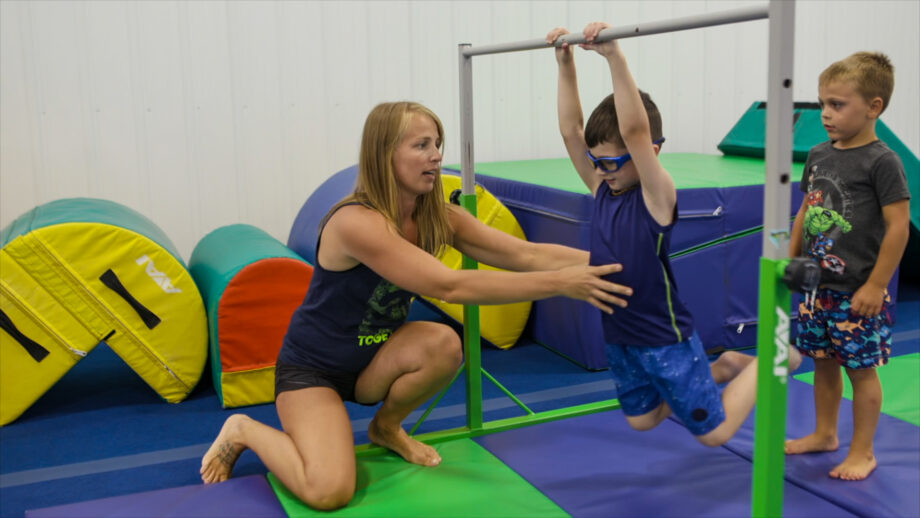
(349, 340)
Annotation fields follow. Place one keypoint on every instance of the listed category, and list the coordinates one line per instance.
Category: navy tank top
(623, 231)
(344, 319)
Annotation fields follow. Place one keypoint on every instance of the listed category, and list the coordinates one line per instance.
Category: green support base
(772, 382)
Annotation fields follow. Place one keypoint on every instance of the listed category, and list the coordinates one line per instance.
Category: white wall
(200, 114)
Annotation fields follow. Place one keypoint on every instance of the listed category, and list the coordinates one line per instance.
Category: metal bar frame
(773, 332)
(774, 305)
(628, 31)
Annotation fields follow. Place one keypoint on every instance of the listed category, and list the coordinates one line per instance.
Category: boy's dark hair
(603, 126)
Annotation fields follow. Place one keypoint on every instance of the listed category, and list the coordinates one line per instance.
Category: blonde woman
(349, 340)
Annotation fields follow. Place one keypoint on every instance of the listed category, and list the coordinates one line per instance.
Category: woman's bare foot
(811, 444)
(217, 463)
(729, 365)
(855, 467)
(399, 441)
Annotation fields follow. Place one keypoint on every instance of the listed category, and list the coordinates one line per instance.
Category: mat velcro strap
(113, 283)
(35, 349)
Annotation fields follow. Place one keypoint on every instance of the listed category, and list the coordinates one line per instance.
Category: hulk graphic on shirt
(819, 222)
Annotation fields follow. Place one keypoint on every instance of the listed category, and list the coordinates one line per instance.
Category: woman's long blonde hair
(376, 187)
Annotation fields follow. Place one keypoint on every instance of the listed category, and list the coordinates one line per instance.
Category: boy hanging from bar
(655, 356)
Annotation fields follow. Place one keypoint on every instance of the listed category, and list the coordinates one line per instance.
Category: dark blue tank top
(344, 319)
(623, 231)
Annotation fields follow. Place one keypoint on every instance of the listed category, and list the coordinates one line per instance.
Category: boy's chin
(619, 185)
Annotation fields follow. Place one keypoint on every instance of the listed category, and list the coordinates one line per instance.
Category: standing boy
(854, 222)
(656, 358)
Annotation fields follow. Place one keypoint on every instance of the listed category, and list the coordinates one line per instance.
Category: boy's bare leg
(738, 399)
(828, 392)
(729, 365)
(867, 406)
(724, 369)
(650, 419)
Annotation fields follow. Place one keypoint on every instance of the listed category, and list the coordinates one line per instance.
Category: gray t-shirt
(846, 190)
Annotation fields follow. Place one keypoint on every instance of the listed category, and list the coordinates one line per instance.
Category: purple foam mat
(893, 490)
(597, 466)
(244, 497)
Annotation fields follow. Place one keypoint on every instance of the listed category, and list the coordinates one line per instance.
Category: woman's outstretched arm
(362, 235)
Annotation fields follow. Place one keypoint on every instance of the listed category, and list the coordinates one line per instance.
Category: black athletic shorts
(293, 377)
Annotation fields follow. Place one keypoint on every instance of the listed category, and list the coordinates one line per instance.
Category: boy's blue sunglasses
(612, 164)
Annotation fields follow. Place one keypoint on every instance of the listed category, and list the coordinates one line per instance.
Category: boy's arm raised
(571, 120)
(658, 188)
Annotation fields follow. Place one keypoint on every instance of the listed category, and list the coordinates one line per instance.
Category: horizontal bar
(745, 14)
(499, 425)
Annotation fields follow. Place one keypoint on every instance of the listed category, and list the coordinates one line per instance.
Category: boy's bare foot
(811, 444)
(399, 441)
(729, 365)
(854, 467)
(217, 463)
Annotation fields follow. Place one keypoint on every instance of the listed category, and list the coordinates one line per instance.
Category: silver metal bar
(630, 31)
(467, 176)
(778, 152)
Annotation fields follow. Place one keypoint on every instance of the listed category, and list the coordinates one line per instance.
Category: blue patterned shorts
(827, 329)
(677, 374)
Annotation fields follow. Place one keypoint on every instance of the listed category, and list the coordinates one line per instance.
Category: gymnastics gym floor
(101, 443)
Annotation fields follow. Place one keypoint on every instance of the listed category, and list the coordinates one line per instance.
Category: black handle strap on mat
(113, 283)
(35, 349)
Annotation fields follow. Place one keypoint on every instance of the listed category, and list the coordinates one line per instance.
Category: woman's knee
(325, 495)
(445, 344)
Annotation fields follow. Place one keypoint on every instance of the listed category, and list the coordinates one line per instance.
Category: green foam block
(469, 482)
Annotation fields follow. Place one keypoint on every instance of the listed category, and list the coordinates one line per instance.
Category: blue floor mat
(102, 432)
(891, 491)
(240, 497)
(597, 466)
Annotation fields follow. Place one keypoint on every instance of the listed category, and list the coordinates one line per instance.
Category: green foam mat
(469, 482)
(689, 170)
(899, 383)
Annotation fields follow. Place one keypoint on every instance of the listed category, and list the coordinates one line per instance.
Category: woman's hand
(586, 283)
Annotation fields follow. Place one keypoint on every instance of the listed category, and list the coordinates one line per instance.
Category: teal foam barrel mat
(78, 272)
(251, 284)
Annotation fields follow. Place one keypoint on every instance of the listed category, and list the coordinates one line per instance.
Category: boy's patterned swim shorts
(828, 329)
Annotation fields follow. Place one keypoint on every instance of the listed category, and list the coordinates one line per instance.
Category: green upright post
(772, 376)
(471, 340)
(773, 312)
